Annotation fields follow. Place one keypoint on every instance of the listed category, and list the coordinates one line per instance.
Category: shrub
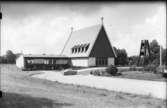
(164, 75)
(160, 69)
(112, 70)
(70, 72)
(96, 72)
(150, 68)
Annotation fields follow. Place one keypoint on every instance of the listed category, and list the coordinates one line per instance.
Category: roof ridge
(82, 36)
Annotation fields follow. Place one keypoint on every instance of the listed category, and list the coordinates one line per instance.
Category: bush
(97, 72)
(70, 72)
(112, 70)
(150, 68)
(164, 75)
(160, 69)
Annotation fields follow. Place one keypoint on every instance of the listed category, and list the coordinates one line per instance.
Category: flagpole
(0, 48)
(160, 57)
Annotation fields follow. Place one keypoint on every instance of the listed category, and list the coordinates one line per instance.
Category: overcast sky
(38, 28)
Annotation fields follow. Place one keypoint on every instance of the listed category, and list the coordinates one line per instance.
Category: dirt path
(155, 89)
(70, 96)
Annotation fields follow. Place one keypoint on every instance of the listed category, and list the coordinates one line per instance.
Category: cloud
(153, 28)
(34, 35)
(44, 28)
(21, 10)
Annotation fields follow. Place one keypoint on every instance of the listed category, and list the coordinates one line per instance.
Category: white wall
(80, 62)
(20, 62)
(92, 61)
(111, 61)
(85, 62)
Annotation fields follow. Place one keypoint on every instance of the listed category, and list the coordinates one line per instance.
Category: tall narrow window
(72, 50)
(79, 49)
(75, 50)
(82, 48)
(87, 46)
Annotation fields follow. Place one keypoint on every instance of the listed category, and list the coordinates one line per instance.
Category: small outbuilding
(42, 62)
(90, 47)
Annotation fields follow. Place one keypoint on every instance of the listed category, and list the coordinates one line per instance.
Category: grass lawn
(13, 100)
(125, 72)
(142, 76)
(22, 91)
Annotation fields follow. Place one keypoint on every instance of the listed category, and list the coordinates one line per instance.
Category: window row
(80, 48)
(46, 61)
(101, 61)
(39, 61)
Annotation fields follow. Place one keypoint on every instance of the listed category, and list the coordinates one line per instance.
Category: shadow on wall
(12, 100)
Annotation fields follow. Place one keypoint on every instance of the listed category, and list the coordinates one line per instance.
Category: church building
(89, 47)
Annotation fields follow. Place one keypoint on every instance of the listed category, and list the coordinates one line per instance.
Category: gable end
(102, 46)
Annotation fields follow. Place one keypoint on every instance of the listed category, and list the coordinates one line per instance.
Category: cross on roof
(72, 28)
(102, 20)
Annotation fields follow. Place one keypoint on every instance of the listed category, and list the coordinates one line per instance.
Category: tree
(154, 52)
(3, 59)
(164, 56)
(122, 58)
(10, 57)
(134, 60)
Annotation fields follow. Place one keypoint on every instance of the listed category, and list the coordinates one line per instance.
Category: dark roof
(44, 56)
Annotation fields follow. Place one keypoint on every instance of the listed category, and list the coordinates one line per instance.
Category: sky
(37, 28)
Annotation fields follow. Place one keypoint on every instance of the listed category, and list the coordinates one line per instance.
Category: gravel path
(141, 87)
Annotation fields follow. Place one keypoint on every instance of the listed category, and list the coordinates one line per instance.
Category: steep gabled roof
(86, 36)
(80, 37)
(102, 46)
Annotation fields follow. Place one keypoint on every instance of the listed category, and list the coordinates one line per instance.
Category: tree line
(9, 57)
(154, 59)
(121, 60)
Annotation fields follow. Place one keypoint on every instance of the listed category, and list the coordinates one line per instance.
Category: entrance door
(101, 61)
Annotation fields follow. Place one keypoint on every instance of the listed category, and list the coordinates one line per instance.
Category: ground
(22, 91)
(142, 76)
